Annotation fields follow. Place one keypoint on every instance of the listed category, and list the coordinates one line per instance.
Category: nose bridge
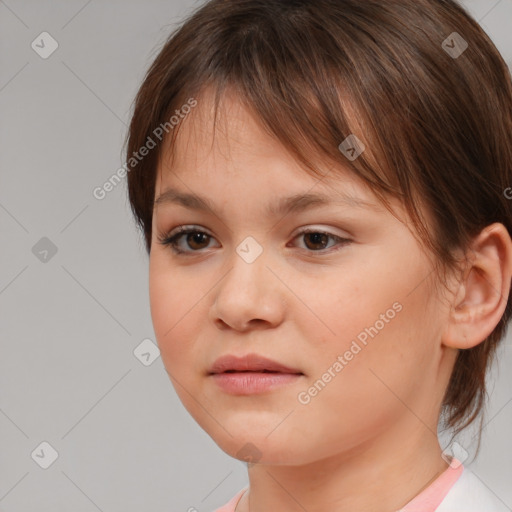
(249, 250)
(245, 292)
(248, 264)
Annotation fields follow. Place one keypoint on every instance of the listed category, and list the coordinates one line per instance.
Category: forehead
(230, 133)
(229, 156)
(232, 140)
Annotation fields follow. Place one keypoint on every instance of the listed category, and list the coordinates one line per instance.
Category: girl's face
(352, 310)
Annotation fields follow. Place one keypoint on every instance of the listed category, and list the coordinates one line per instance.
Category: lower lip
(248, 383)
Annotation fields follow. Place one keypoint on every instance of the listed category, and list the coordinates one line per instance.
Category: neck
(381, 475)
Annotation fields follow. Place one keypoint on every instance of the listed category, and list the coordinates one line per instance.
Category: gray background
(70, 324)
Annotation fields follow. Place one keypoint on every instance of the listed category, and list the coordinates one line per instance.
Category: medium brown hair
(438, 126)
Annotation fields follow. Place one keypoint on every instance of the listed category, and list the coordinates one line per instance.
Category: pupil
(196, 238)
(317, 238)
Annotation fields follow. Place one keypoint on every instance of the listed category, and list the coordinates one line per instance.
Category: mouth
(253, 382)
(252, 371)
(250, 363)
(251, 374)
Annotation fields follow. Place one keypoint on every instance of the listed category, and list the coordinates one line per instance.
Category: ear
(482, 294)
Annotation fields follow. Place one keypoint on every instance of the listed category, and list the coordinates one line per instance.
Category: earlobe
(482, 294)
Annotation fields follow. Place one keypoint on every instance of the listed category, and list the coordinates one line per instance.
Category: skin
(355, 445)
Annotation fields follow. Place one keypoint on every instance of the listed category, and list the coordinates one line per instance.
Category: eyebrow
(292, 204)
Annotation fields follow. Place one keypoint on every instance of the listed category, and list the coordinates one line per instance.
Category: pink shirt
(457, 489)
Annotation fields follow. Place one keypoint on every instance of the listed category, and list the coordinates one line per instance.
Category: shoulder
(231, 505)
(470, 494)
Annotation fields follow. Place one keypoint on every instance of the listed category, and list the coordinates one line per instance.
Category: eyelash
(171, 240)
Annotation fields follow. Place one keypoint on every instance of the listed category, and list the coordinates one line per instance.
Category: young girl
(324, 191)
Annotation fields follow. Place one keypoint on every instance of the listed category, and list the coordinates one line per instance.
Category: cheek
(174, 313)
(349, 303)
(379, 313)
(172, 308)
(161, 299)
(372, 387)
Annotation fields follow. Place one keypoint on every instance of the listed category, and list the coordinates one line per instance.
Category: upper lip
(249, 362)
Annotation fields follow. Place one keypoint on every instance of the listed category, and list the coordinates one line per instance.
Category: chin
(257, 447)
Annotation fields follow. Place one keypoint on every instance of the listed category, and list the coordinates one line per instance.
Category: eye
(315, 238)
(196, 239)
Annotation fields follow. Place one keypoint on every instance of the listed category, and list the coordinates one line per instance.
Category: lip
(251, 374)
(252, 383)
(249, 363)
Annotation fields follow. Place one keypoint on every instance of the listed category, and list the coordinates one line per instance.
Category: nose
(249, 295)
